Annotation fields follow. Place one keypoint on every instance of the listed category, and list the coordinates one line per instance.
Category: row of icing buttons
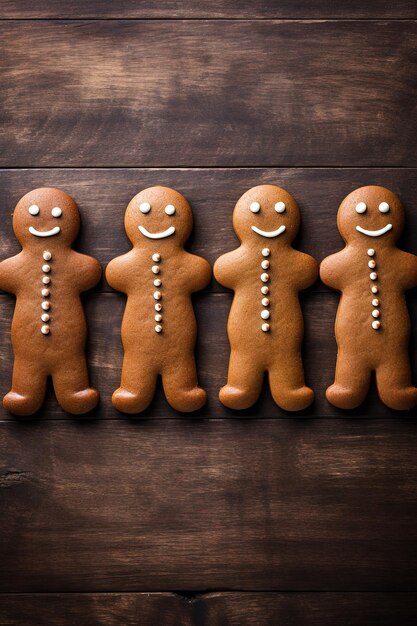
(156, 258)
(376, 324)
(265, 290)
(46, 280)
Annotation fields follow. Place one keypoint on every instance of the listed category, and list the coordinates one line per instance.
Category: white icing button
(156, 257)
(45, 317)
(45, 305)
(374, 289)
(45, 293)
(371, 264)
(56, 212)
(158, 317)
(34, 209)
(144, 207)
(376, 324)
(46, 268)
(155, 269)
(47, 255)
(361, 207)
(384, 207)
(265, 290)
(371, 252)
(170, 209)
(375, 302)
(45, 330)
(158, 328)
(157, 282)
(265, 315)
(265, 265)
(46, 280)
(373, 275)
(158, 306)
(255, 207)
(264, 277)
(157, 295)
(375, 313)
(265, 327)
(280, 207)
(266, 252)
(265, 302)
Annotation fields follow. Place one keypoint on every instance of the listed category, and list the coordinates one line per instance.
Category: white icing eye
(34, 209)
(170, 209)
(280, 207)
(384, 207)
(255, 207)
(144, 207)
(361, 207)
(56, 212)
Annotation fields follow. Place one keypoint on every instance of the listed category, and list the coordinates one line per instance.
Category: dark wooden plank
(308, 609)
(105, 311)
(214, 609)
(99, 609)
(103, 195)
(170, 93)
(215, 504)
(246, 9)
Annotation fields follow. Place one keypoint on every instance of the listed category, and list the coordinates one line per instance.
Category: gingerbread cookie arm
(308, 270)
(226, 268)
(333, 270)
(87, 270)
(408, 264)
(200, 272)
(118, 271)
(9, 273)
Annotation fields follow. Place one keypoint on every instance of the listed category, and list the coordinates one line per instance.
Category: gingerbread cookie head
(46, 215)
(267, 213)
(158, 214)
(371, 214)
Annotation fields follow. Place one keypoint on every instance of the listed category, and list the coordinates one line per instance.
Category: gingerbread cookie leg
(72, 388)
(137, 386)
(393, 380)
(352, 380)
(28, 387)
(244, 381)
(288, 388)
(180, 382)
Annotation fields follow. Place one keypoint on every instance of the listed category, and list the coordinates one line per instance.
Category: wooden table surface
(258, 518)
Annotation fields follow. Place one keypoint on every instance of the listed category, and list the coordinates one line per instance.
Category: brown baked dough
(372, 323)
(159, 327)
(265, 324)
(47, 277)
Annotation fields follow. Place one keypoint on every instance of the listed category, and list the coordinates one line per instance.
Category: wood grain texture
(213, 609)
(214, 504)
(100, 609)
(103, 194)
(212, 93)
(105, 354)
(189, 9)
(308, 609)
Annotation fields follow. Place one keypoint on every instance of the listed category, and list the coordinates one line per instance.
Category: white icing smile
(374, 233)
(269, 233)
(44, 233)
(164, 233)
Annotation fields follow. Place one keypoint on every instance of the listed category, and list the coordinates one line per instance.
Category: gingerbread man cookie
(372, 323)
(265, 325)
(49, 329)
(159, 327)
